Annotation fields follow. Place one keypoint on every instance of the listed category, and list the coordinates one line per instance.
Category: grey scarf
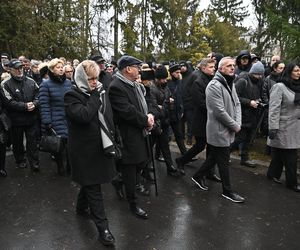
(81, 80)
(139, 90)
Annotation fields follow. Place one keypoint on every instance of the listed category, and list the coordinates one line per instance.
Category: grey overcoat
(284, 115)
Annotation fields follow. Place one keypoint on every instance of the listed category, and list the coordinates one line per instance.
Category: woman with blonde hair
(52, 109)
(90, 146)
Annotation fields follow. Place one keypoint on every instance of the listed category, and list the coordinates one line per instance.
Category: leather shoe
(294, 188)
(106, 237)
(214, 177)
(3, 173)
(180, 166)
(248, 163)
(161, 159)
(138, 212)
(200, 182)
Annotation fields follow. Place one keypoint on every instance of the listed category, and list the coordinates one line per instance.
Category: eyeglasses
(69, 71)
(92, 78)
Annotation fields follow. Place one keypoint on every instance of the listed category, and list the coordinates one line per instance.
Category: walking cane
(150, 151)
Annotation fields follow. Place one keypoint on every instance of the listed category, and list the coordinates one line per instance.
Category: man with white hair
(223, 121)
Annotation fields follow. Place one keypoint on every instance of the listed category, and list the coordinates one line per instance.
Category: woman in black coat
(91, 167)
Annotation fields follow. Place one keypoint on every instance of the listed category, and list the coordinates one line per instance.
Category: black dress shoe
(138, 212)
(161, 159)
(180, 166)
(3, 173)
(200, 182)
(294, 188)
(106, 237)
(214, 177)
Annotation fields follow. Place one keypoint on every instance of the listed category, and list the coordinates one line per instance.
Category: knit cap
(257, 68)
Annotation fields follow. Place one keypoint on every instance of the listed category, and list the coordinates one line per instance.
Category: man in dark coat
(187, 83)
(175, 105)
(21, 100)
(132, 118)
(207, 71)
(249, 90)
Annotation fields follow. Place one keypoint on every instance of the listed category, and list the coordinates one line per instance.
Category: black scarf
(229, 80)
(294, 85)
(56, 78)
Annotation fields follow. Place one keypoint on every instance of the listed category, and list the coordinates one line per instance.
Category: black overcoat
(89, 164)
(130, 120)
(199, 103)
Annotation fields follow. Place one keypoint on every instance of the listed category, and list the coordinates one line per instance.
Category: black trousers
(198, 147)
(129, 173)
(242, 141)
(2, 155)
(288, 159)
(91, 197)
(221, 157)
(178, 136)
(31, 144)
(162, 141)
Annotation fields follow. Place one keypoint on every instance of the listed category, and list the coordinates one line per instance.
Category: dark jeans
(221, 157)
(178, 136)
(31, 144)
(91, 197)
(288, 159)
(242, 141)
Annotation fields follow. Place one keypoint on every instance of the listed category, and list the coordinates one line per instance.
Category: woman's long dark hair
(287, 79)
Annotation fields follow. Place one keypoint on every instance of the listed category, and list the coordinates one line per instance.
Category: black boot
(106, 237)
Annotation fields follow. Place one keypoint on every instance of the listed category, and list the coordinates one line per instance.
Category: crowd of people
(115, 118)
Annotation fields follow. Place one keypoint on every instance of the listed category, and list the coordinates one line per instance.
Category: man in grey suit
(223, 121)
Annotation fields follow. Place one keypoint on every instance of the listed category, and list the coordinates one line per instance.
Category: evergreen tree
(231, 11)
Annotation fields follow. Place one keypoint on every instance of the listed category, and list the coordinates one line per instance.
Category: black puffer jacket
(17, 92)
(187, 82)
(248, 88)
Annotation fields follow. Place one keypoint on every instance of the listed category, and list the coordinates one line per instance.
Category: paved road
(37, 212)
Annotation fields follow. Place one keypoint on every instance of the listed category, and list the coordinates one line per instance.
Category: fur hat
(257, 68)
(147, 73)
(161, 72)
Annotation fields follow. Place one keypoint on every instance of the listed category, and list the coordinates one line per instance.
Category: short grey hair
(223, 60)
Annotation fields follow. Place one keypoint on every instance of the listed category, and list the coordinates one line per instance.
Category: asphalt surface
(37, 212)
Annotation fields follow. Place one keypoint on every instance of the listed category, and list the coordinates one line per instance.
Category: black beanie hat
(161, 72)
(173, 67)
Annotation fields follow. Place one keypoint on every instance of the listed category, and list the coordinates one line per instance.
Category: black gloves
(272, 133)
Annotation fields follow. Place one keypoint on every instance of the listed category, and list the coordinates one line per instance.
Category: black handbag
(51, 142)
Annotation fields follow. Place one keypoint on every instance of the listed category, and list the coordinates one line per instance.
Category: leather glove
(272, 133)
